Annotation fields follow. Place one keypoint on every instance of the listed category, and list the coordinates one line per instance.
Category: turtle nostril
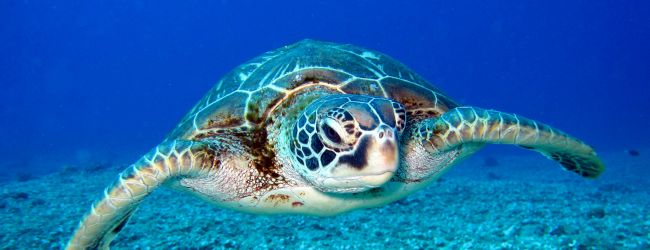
(386, 131)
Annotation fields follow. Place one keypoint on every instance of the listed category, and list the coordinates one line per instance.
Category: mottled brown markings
(263, 158)
(297, 204)
(277, 199)
(440, 128)
(277, 100)
(421, 102)
(253, 113)
(432, 113)
(409, 95)
(437, 133)
(204, 156)
(204, 135)
(210, 159)
(224, 120)
(282, 197)
(417, 115)
(228, 113)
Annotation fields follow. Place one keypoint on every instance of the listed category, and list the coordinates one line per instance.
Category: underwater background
(89, 86)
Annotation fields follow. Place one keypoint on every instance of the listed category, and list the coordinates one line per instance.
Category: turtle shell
(248, 95)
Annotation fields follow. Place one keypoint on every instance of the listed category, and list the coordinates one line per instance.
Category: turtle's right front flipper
(169, 160)
(464, 125)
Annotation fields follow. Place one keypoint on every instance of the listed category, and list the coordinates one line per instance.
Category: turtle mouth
(360, 183)
(378, 179)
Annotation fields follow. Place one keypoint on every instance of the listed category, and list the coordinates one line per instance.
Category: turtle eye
(332, 133)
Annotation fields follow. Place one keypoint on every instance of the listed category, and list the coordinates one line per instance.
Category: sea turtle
(318, 128)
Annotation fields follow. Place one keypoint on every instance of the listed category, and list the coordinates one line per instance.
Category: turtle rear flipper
(109, 215)
(474, 125)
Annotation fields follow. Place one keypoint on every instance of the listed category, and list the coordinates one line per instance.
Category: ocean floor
(500, 202)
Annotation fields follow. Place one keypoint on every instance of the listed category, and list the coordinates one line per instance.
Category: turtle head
(348, 143)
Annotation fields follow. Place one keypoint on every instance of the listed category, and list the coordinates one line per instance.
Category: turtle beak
(383, 157)
(372, 164)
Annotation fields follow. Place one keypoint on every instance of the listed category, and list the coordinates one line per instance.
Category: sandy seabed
(515, 202)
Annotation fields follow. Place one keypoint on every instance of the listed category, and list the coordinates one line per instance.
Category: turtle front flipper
(167, 161)
(474, 125)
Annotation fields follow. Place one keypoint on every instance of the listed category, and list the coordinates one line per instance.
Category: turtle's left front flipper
(175, 159)
(474, 125)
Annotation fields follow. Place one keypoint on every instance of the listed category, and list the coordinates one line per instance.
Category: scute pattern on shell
(245, 96)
